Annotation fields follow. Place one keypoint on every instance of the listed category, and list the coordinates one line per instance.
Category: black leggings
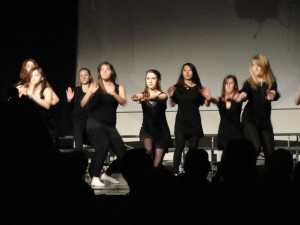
(180, 140)
(79, 134)
(261, 137)
(103, 139)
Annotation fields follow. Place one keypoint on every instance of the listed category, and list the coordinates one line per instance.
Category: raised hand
(70, 94)
(93, 87)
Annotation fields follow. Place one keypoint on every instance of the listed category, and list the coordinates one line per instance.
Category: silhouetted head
(239, 159)
(133, 165)
(196, 162)
(282, 159)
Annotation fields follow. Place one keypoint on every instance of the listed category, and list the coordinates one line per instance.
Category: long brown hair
(44, 82)
(158, 75)
(23, 72)
(226, 78)
(113, 75)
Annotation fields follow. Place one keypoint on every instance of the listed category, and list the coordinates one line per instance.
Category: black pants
(79, 134)
(104, 138)
(261, 137)
(180, 140)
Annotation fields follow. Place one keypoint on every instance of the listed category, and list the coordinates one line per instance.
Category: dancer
(27, 65)
(40, 92)
(79, 113)
(189, 94)
(260, 89)
(103, 98)
(230, 126)
(154, 133)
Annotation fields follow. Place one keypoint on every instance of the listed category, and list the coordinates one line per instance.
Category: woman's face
(229, 85)
(29, 65)
(36, 77)
(105, 72)
(256, 69)
(84, 77)
(151, 81)
(187, 72)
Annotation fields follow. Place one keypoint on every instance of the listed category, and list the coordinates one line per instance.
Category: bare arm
(46, 102)
(139, 97)
(160, 97)
(170, 93)
(91, 91)
(214, 100)
(241, 97)
(21, 90)
(55, 98)
(121, 97)
(205, 92)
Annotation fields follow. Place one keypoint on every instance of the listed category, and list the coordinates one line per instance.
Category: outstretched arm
(214, 100)
(205, 92)
(241, 97)
(170, 93)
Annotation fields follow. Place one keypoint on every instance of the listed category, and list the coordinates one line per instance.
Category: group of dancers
(96, 102)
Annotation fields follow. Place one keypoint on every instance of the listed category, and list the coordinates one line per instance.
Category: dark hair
(43, 82)
(113, 76)
(195, 78)
(226, 78)
(23, 72)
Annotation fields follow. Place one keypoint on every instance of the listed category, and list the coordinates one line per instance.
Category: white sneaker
(104, 176)
(96, 183)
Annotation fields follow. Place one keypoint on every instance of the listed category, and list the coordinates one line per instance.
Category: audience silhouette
(41, 185)
(194, 192)
(35, 187)
(236, 194)
(279, 204)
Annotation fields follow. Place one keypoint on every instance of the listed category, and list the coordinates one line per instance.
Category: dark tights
(261, 137)
(180, 140)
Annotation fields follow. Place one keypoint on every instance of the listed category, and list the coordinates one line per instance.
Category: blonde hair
(263, 62)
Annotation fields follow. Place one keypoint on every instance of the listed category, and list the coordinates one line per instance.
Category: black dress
(188, 124)
(258, 108)
(155, 124)
(188, 118)
(49, 118)
(256, 117)
(230, 126)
